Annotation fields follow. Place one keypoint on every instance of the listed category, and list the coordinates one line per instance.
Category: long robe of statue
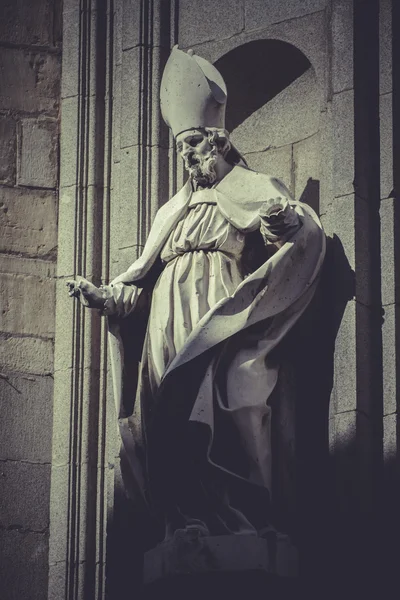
(230, 265)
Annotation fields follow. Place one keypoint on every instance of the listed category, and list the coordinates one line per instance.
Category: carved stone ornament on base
(231, 263)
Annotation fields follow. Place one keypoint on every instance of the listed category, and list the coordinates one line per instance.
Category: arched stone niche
(273, 112)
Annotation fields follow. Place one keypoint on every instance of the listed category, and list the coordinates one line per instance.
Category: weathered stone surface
(23, 565)
(343, 142)
(27, 305)
(58, 550)
(68, 143)
(70, 54)
(386, 147)
(338, 219)
(209, 20)
(28, 221)
(30, 355)
(8, 141)
(276, 162)
(66, 241)
(389, 250)
(354, 357)
(27, 266)
(131, 28)
(390, 437)
(350, 220)
(390, 358)
(26, 408)
(26, 22)
(124, 209)
(37, 86)
(37, 164)
(260, 13)
(130, 96)
(342, 45)
(292, 115)
(345, 372)
(385, 46)
(306, 157)
(25, 491)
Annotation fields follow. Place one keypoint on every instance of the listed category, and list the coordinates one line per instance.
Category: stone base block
(192, 566)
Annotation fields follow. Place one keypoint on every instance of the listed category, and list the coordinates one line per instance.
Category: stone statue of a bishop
(231, 263)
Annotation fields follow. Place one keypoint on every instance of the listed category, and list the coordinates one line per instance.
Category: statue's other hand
(279, 220)
(87, 293)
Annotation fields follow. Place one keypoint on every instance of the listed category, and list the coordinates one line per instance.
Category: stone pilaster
(79, 467)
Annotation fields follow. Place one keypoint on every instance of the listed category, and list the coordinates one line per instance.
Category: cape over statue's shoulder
(242, 181)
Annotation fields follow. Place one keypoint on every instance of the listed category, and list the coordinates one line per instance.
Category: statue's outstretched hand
(88, 294)
(279, 220)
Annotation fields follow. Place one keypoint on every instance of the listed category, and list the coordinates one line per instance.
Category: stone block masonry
(30, 73)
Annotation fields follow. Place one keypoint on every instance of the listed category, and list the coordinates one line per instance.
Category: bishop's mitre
(193, 93)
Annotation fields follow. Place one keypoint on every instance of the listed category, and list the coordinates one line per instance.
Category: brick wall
(30, 70)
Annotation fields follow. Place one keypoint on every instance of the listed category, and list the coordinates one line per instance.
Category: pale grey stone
(26, 408)
(390, 358)
(70, 53)
(327, 177)
(27, 305)
(390, 437)
(343, 142)
(38, 152)
(66, 241)
(26, 22)
(389, 250)
(132, 32)
(342, 45)
(69, 142)
(307, 158)
(8, 140)
(354, 358)
(26, 354)
(292, 115)
(27, 266)
(276, 162)
(23, 565)
(28, 222)
(37, 86)
(209, 20)
(59, 514)
(57, 580)
(345, 369)
(24, 490)
(385, 46)
(130, 97)
(338, 219)
(117, 103)
(125, 212)
(260, 13)
(386, 145)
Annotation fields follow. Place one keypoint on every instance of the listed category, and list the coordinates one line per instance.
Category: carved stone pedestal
(192, 567)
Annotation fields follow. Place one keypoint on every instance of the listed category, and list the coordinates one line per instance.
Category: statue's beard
(201, 167)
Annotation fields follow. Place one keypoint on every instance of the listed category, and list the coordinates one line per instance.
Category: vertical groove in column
(77, 544)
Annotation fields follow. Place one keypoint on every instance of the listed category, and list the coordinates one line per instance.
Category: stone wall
(30, 70)
(329, 131)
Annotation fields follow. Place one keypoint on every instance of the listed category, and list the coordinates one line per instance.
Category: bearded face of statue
(200, 154)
